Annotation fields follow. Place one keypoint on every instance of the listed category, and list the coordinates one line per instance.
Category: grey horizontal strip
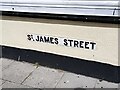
(58, 7)
(58, 4)
(59, 89)
(83, 8)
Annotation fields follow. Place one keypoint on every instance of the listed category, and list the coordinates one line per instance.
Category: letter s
(56, 41)
(65, 42)
(29, 37)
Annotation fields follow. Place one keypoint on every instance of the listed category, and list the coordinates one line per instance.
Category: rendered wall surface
(15, 31)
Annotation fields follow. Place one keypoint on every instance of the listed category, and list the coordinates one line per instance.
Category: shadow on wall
(79, 66)
(63, 19)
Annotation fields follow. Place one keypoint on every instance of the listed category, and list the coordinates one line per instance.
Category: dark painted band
(79, 66)
(103, 19)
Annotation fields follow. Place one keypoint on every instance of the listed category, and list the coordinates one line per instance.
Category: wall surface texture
(15, 31)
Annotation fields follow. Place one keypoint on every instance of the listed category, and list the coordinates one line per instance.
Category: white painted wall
(16, 29)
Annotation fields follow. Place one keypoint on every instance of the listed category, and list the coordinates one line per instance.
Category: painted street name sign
(62, 41)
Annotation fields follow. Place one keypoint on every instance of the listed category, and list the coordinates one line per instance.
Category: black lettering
(76, 43)
(46, 39)
(51, 40)
(37, 39)
(41, 39)
(56, 41)
(32, 38)
(81, 44)
(93, 45)
(86, 45)
(70, 42)
(29, 37)
(65, 42)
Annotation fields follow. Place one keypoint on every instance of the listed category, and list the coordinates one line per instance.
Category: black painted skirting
(85, 18)
(88, 68)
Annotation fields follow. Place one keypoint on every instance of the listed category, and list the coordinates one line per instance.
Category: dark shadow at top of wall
(92, 21)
